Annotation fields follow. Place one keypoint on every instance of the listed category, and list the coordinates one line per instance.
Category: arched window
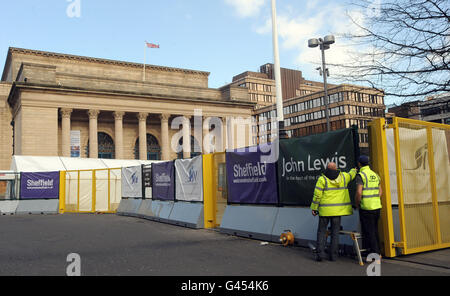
(153, 148)
(195, 147)
(106, 148)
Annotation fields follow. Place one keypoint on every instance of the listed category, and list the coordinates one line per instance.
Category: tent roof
(33, 164)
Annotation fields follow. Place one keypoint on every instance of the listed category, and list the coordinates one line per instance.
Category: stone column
(165, 148)
(230, 132)
(224, 134)
(118, 130)
(206, 145)
(65, 135)
(93, 133)
(187, 137)
(142, 135)
(65, 128)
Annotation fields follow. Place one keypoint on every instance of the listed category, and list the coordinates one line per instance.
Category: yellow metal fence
(91, 191)
(214, 188)
(412, 158)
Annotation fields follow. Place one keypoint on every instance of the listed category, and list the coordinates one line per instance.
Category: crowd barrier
(267, 223)
(91, 191)
(242, 192)
(9, 191)
(30, 193)
(270, 191)
(176, 189)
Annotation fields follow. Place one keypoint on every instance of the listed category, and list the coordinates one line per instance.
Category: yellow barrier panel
(214, 188)
(91, 191)
(220, 185)
(62, 192)
(422, 173)
(378, 155)
(209, 201)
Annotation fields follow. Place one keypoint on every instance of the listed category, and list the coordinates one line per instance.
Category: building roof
(12, 50)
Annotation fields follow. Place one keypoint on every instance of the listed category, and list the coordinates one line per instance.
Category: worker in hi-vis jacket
(368, 200)
(331, 201)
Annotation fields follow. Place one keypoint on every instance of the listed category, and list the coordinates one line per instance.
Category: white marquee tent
(80, 174)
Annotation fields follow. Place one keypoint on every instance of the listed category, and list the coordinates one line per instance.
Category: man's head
(363, 160)
(332, 166)
(331, 172)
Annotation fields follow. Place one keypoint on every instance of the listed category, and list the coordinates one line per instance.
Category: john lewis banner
(189, 179)
(251, 181)
(303, 160)
(39, 185)
(132, 182)
(163, 180)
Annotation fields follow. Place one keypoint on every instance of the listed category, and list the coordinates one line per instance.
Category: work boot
(317, 256)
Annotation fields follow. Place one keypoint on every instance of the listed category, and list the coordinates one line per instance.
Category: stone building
(54, 104)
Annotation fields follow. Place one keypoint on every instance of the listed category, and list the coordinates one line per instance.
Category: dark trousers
(322, 238)
(369, 230)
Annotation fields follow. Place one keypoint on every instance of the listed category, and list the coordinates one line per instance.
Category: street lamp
(324, 45)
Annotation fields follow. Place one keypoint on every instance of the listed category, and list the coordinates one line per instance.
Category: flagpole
(277, 71)
(145, 56)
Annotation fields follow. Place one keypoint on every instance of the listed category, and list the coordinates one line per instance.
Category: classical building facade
(54, 104)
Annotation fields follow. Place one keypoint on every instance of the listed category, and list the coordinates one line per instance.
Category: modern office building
(433, 109)
(305, 115)
(261, 85)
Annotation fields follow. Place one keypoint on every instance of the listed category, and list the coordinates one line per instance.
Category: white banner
(75, 144)
(415, 165)
(189, 179)
(132, 182)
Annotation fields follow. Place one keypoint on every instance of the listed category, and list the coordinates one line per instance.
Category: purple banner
(39, 185)
(163, 177)
(251, 181)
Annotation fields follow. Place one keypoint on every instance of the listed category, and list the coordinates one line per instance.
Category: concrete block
(8, 207)
(38, 207)
(187, 214)
(249, 221)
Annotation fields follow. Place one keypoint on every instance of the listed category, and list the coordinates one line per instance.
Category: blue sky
(223, 37)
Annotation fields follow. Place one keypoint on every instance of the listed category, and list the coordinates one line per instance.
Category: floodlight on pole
(324, 45)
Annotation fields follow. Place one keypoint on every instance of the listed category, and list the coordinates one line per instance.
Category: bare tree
(403, 47)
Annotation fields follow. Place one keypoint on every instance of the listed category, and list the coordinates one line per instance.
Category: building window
(153, 148)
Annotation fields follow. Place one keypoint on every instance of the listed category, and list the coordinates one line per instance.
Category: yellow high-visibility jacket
(331, 197)
(370, 199)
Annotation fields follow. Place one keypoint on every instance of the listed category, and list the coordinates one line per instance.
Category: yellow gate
(412, 159)
(214, 188)
(91, 191)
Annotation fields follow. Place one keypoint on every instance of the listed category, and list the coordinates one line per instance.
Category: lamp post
(324, 45)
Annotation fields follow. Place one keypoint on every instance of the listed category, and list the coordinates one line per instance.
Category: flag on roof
(151, 45)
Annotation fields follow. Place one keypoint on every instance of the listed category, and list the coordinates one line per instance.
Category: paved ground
(115, 245)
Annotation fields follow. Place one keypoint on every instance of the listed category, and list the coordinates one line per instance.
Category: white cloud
(295, 29)
(305, 20)
(246, 8)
